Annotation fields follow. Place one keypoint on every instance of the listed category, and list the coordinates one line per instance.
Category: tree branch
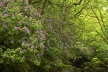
(78, 3)
(43, 7)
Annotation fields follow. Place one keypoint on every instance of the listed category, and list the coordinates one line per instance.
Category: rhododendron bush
(22, 38)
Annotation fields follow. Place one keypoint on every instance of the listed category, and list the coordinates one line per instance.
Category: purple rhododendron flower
(41, 43)
(16, 3)
(12, 41)
(50, 20)
(21, 15)
(30, 18)
(36, 25)
(24, 49)
(43, 35)
(27, 44)
(8, 3)
(27, 31)
(32, 45)
(12, 15)
(7, 8)
(25, 7)
(5, 0)
(43, 46)
(63, 22)
(0, 4)
(23, 57)
(18, 40)
(41, 31)
(38, 54)
(26, 16)
(24, 41)
(37, 31)
(5, 25)
(25, 27)
(5, 14)
(39, 60)
(21, 20)
(17, 27)
(37, 13)
(26, 22)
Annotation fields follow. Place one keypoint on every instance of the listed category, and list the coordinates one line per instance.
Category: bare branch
(78, 3)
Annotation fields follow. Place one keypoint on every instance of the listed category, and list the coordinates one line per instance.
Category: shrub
(21, 36)
(23, 40)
